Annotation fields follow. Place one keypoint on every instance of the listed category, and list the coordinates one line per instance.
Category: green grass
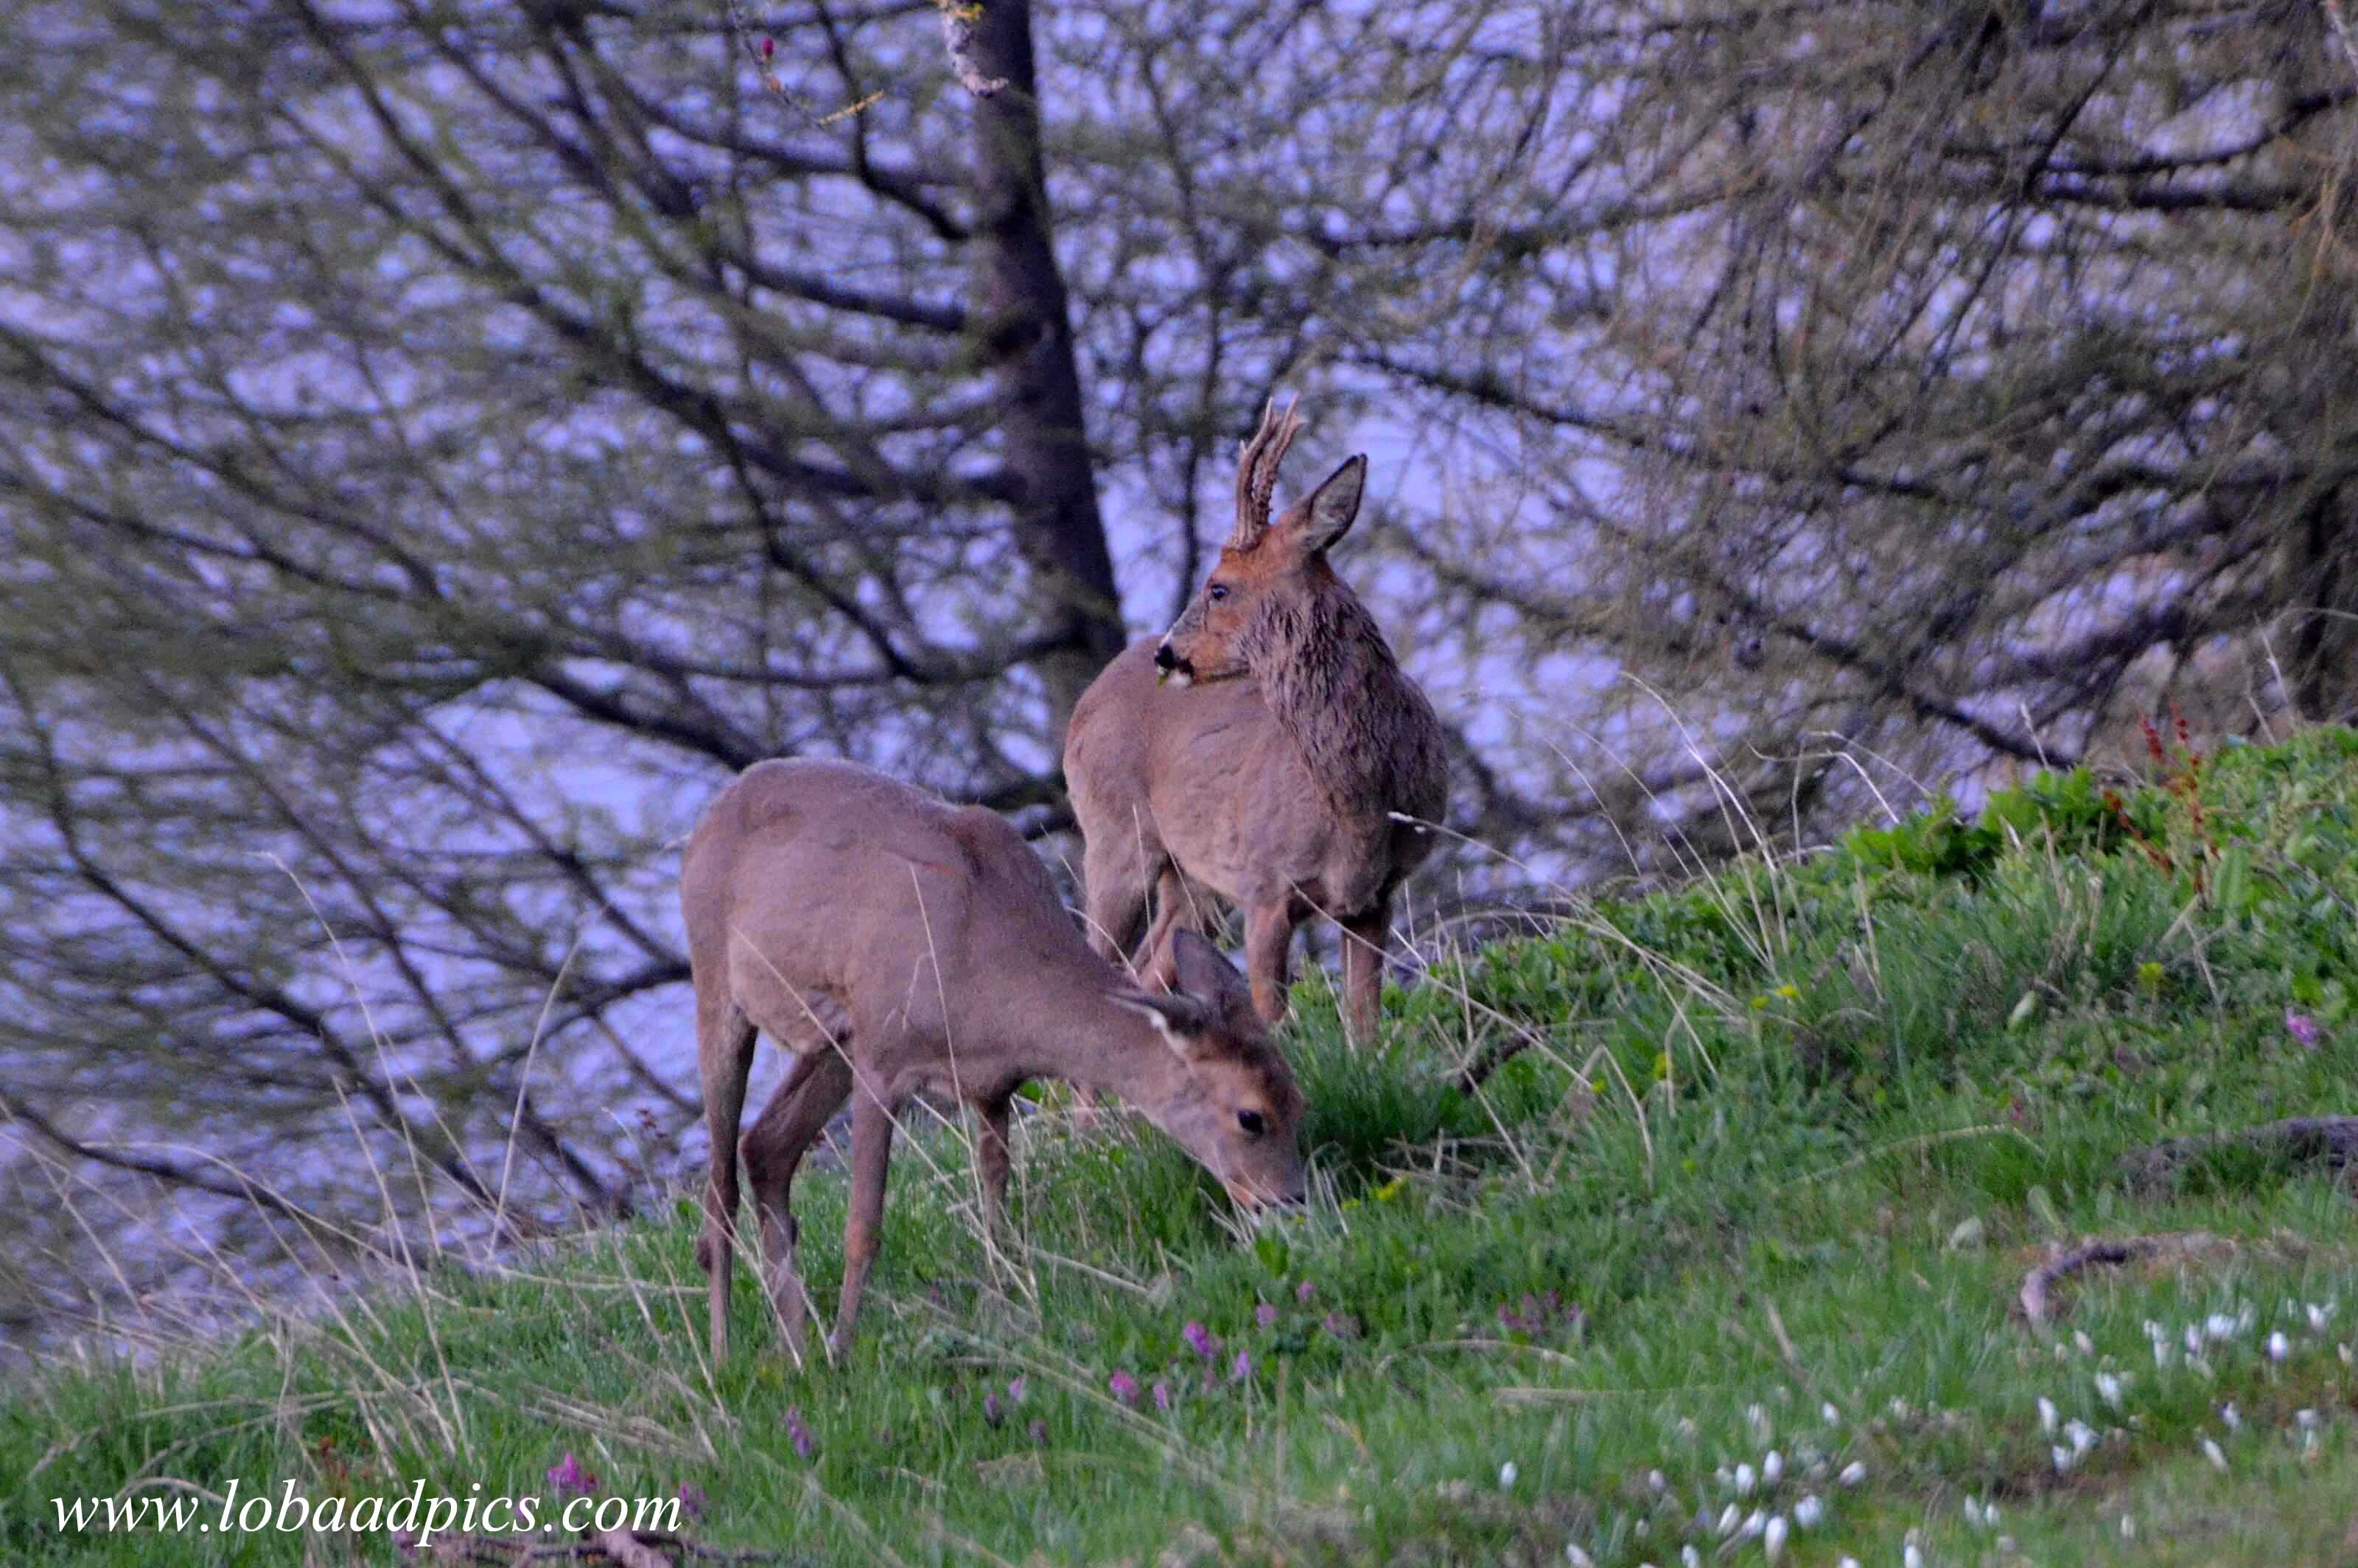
(1788, 1138)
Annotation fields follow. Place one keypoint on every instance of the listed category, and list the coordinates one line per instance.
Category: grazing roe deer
(894, 943)
(1272, 764)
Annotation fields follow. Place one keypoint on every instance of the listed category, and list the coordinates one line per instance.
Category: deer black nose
(1165, 659)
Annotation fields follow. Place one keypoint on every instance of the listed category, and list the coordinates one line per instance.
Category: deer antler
(1257, 470)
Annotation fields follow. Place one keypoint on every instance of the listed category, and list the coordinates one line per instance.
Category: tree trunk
(2321, 592)
(1028, 339)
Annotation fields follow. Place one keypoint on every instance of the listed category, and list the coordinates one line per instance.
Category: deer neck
(1109, 1048)
(1331, 683)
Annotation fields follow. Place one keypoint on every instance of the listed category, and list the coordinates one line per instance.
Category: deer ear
(1326, 513)
(1206, 978)
(1178, 1019)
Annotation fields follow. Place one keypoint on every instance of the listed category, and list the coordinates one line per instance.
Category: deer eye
(1252, 1124)
(1216, 591)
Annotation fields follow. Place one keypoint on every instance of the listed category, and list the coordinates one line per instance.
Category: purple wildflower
(1124, 1386)
(1161, 1395)
(570, 1479)
(1200, 1340)
(1304, 1291)
(691, 1500)
(404, 1542)
(1265, 1314)
(1242, 1369)
(797, 1433)
(1341, 1325)
(990, 1411)
(2301, 1027)
(1015, 1388)
(1039, 1434)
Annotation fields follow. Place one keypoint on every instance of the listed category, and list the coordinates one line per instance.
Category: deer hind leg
(872, 1153)
(1173, 909)
(724, 1057)
(1115, 871)
(1363, 971)
(774, 1148)
(1114, 877)
(1269, 951)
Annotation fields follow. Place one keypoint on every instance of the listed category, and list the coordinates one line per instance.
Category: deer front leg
(1363, 972)
(871, 1152)
(1268, 947)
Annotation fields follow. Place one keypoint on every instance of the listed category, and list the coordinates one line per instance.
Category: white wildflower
(1575, 1556)
(1729, 1518)
(1832, 1416)
(1912, 1556)
(2317, 1318)
(1974, 1513)
(2219, 1325)
(1772, 1540)
(2128, 1528)
(2278, 1346)
(1758, 1416)
(2061, 1455)
(1754, 1523)
(2232, 1416)
(2046, 1415)
(2193, 1339)
(2304, 1417)
(2212, 1452)
(2083, 1436)
(1689, 1558)
(1809, 1511)
(2082, 1343)
(1773, 1468)
(1506, 1473)
(1745, 1479)
(2108, 1385)
(2161, 1354)
(1853, 1473)
(1657, 1483)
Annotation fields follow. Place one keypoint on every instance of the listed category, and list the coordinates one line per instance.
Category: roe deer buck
(894, 943)
(1270, 766)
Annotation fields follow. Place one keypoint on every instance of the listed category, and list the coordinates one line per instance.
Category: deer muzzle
(1169, 667)
(1253, 1198)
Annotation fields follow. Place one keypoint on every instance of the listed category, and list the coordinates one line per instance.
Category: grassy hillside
(1733, 1229)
